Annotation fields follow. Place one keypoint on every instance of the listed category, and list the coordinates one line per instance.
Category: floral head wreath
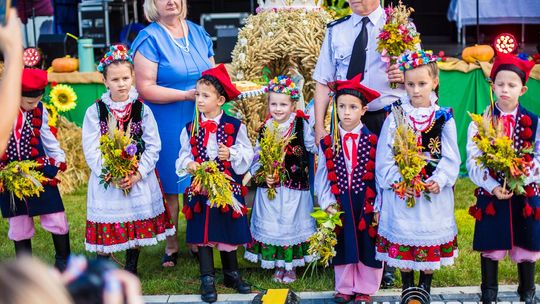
(284, 85)
(117, 52)
(411, 60)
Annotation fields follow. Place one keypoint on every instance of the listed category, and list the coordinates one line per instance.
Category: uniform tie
(358, 56)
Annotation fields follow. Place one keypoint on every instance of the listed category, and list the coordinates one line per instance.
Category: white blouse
(285, 220)
(429, 222)
(111, 205)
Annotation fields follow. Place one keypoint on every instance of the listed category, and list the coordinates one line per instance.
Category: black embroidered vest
(137, 111)
(296, 159)
(432, 137)
(226, 134)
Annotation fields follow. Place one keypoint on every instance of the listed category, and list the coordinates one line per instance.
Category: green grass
(183, 279)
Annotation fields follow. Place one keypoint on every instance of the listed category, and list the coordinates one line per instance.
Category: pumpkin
(65, 65)
(476, 53)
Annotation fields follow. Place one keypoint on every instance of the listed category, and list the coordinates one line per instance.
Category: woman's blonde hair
(27, 280)
(151, 12)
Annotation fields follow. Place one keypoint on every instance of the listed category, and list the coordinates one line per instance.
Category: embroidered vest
(356, 239)
(31, 146)
(135, 119)
(523, 137)
(296, 159)
(432, 137)
(226, 134)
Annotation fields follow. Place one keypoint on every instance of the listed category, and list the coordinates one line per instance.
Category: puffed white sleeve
(377, 204)
(90, 140)
(309, 138)
(50, 143)
(152, 143)
(477, 174)
(241, 153)
(534, 175)
(325, 197)
(255, 165)
(184, 155)
(447, 170)
(386, 170)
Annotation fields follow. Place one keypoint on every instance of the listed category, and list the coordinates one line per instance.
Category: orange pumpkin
(65, 65)
(476, 53)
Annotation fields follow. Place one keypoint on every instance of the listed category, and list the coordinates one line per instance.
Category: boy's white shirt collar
(216, 119)
(356, 130)
(513, 113)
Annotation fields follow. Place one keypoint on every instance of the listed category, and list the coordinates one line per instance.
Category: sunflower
(63, 97)
(53, 114)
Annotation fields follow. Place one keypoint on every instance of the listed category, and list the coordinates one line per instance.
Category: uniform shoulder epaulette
(338, 21)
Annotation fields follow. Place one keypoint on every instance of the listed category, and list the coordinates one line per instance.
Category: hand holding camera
(99, 281)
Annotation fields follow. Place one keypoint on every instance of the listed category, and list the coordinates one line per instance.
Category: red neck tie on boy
(354, 147)
(209, 126)
(509, 123)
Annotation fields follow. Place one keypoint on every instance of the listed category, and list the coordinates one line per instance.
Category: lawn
(183, 279)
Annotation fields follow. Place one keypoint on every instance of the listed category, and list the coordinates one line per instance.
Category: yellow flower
(63, 97)
(53, 114)
(22, 179)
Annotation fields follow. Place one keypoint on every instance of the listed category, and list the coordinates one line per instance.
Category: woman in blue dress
(170, 55)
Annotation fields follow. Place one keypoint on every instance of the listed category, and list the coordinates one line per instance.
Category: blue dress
(179, 70)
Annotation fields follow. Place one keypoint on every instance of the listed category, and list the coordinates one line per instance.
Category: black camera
(88, 287)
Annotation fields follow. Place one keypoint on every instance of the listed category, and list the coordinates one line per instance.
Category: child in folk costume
(117, 221)
(223, 139)
(507, 223)
(421, 237)
(345, 181)
(32, 139)
(281, 226)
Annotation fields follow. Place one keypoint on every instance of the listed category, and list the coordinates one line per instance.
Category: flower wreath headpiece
(117, 52)
(284, 85)
(411, 60)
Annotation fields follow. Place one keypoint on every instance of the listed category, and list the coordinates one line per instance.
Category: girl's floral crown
(284, 85)
(411, 60)
(117, 52)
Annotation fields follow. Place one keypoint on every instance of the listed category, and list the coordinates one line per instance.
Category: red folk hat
(34, 82)
(355, 88)
(222, 76)
(508, 62)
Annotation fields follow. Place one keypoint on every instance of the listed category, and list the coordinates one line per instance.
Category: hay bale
(276, 40)
(70, 138)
